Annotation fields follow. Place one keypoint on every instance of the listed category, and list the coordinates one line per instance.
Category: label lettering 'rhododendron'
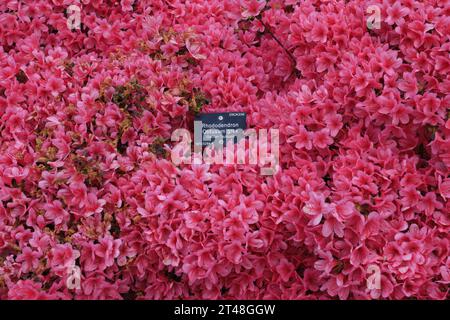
(92, 207)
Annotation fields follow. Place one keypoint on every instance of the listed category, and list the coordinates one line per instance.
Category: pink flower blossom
(88, 189)
(29, 259)
(252, 8)
(56, 212)
(55, 86)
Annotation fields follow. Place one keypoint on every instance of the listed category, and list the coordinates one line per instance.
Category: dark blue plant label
(216, 128)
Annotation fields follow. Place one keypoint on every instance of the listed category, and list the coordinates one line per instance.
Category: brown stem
(278, 41)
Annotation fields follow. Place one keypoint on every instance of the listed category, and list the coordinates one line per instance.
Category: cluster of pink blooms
(86, 179)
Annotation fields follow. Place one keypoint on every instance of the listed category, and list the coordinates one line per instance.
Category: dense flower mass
(86, 180)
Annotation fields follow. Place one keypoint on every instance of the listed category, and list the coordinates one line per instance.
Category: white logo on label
(220, 118)
(258, 147)
(74, 17)
(74, 279)
(374, 280)
(374, 20)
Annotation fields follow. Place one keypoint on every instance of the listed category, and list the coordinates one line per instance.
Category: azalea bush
(86, 179)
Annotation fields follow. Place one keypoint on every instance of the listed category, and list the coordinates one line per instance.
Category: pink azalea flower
(408, 85)
(252, 8)
(359, 255)
(93, 205)
(322, 139)
(315, 207)
(332, 226)
(233, 252)
(55, 86)
(108, 250)
(127, 5)
(28, 290)
(56, 212)
(302, 139)
(319, 32)
(63, 257)
(29, 259)
(429, 203)
(395, 13)
(86, 178)
(285, 269)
